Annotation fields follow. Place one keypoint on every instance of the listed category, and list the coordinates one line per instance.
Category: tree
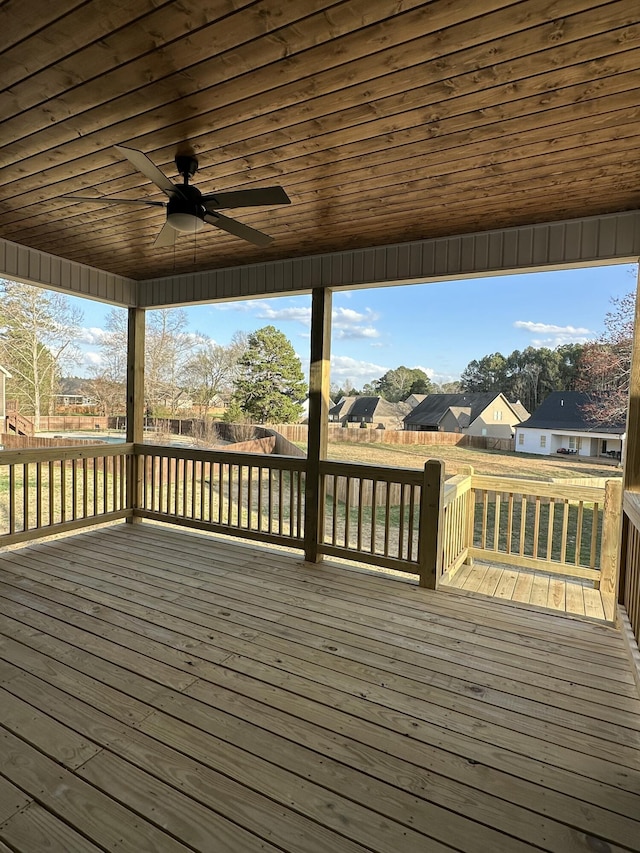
(487, 374)
(605, 364)
(397, 384)
(270, 381)
(212, 370)
(168, 348)
(37, 333)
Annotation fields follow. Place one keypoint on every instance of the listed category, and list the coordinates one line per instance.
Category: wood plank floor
(165, 691)
(566, 595)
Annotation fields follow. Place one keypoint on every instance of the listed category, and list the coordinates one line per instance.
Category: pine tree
(270, 383)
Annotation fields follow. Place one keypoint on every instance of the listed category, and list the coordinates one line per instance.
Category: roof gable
(431, 411)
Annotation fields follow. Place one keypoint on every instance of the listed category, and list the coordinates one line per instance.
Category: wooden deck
(566, 595)
(166, 691)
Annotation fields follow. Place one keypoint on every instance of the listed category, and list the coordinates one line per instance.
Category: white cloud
(343, 367)
(554, 335)
(428, 370)
(295, 315)
(356, 333)
(91, 358)
(91, 335)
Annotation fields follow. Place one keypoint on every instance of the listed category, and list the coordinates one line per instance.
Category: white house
(562, 424)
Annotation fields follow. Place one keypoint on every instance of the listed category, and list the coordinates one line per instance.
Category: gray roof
(566, 410)
(431, 410)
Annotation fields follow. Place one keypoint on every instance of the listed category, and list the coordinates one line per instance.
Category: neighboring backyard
(493, 462)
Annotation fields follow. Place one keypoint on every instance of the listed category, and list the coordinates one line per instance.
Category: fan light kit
(188, 209)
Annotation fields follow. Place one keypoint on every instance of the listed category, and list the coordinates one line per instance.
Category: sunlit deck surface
(167, 691)
(575, 596)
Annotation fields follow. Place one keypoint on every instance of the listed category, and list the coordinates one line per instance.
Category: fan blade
(246, 198)
(232, 226)
(114, 200)
(149, 170)
(166, 237)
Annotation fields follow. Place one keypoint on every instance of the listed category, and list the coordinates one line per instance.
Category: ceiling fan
(188, 209)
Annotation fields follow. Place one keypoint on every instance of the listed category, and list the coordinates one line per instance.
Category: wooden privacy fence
(49, 491)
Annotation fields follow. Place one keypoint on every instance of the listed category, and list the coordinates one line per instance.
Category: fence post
(430, 535)
(609, 551)
(135, 403)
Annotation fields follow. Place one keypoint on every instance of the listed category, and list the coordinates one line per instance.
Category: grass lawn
(491, 462)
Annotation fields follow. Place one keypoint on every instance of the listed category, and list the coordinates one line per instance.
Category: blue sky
(439, 327)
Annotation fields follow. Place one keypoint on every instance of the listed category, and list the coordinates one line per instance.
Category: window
(543, 441)
(497, 415)
(484, 430)
(520, 438)
(572, 442)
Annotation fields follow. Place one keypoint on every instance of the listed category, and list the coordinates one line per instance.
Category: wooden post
(610, 548)
(631, 455)
(430, 534)
(471, 515)
(135, 401)
(318, 421)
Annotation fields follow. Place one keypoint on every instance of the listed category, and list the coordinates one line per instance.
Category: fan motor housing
(185, 211)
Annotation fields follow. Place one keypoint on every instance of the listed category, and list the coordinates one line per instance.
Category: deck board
(188, 687)
(566, 595)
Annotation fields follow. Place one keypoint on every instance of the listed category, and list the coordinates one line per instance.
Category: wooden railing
(372, 514)
(241, 494)
(403, 519)
(43, 492)
(553, 527)
(457, 523)
(629, 591)
(18, 424)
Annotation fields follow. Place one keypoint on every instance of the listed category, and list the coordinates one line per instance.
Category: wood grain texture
(233, 692)
(385, 122)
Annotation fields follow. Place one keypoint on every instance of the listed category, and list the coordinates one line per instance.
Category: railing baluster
(594, 534)
(85, 480)
(400, 549)
(536, 527)
(552, 509)
(12, 499)
(374, 504)
(25, 498)
(39, 487)
(387, 519)
(496, 522)
(63, 491)
(523, 523)
(565, 526)
(485, 516)
(579, 522)
(347, 511)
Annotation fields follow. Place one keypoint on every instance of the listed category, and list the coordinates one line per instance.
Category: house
(562, 424)
(373, 412)
(414, 400)
(481, 413)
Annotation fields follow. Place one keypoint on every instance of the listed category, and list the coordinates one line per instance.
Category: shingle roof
(566, 410)
(431, 410)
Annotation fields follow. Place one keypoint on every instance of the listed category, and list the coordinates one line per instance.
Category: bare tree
(37, 333)
(211, 372)
(167, 351)
(605, 364)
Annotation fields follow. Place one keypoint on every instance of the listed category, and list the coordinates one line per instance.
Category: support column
(135, 399)
(318, 420)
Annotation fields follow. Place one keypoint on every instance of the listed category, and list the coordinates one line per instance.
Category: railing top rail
(538, 488)
(631, 506)
(384, 473)
(225, 457)
(456, 486)
(56, 454)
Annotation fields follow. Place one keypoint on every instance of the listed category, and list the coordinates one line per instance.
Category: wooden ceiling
(384, 120)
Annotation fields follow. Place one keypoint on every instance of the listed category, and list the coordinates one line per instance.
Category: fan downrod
(187, 166)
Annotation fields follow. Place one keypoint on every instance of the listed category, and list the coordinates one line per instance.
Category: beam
(31, 266)
(318, 420)
(591, 241)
